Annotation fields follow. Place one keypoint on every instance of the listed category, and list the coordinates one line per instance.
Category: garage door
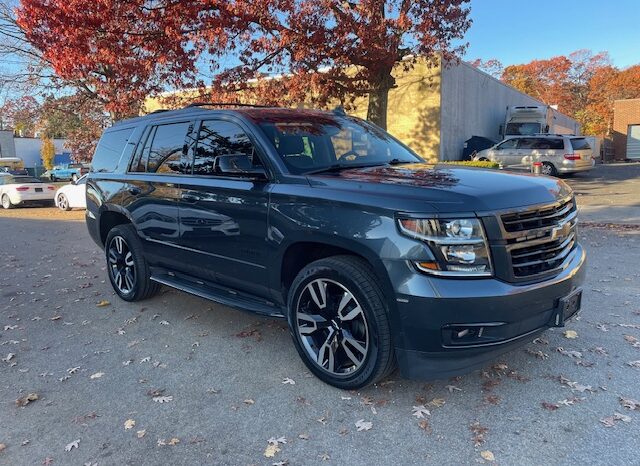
(633, 142)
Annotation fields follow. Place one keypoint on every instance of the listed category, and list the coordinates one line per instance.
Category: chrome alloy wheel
(121, 265)
(332, 327)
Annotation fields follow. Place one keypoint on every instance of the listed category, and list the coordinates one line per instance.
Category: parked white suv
(559, 153)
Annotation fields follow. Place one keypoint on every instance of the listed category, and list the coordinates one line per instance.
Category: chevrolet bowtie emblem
(561, 231)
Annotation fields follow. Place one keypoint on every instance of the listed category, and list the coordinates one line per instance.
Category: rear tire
(548, 169)
(126, 265)
(339, 322)
(6, 202)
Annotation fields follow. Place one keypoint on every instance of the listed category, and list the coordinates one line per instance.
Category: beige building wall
(413, 112)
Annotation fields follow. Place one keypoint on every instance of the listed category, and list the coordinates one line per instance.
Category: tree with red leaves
(119, 52)
(329, 49)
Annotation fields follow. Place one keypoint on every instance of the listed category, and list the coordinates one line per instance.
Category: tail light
(572, 156)
(51, 188)
(22, 188)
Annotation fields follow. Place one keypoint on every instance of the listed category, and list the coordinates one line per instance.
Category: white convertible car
(72, 195)
(17, 190)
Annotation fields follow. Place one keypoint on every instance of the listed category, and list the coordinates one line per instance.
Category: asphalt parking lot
(180, 380)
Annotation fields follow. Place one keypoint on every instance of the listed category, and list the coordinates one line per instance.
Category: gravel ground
(99, 369)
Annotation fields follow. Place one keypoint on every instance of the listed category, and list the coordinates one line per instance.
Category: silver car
(559, 154)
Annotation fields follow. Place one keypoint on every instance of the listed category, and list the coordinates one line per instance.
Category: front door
(223, 218)
(505, 152)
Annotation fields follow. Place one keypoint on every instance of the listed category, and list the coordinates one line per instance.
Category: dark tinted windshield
(524, 129)
(314, 142)
(22, 179)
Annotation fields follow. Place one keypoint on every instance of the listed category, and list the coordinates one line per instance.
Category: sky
(519, 31)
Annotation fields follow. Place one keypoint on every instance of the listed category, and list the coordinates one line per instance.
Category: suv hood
(447, 188)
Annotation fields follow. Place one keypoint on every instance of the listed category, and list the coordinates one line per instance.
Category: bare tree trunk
(379, 98)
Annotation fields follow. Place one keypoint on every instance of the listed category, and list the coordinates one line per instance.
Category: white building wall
(28, 149)
(474, 103)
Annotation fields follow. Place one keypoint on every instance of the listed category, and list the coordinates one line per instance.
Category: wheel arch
(109, 219)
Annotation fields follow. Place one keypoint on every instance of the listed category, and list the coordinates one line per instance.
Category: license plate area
(567, 308)
(38, 190)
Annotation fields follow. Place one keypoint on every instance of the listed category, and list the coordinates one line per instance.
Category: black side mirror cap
(239, 165)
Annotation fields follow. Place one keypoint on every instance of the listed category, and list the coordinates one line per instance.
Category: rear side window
(109, 150)
(526, 143)
(167, 149)
(548, 144)
(580, 144)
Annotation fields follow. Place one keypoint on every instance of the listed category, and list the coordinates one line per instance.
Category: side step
(217, 293)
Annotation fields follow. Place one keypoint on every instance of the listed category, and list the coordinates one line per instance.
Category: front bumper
(511, 315)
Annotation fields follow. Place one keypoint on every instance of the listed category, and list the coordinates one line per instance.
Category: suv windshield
(313, 143)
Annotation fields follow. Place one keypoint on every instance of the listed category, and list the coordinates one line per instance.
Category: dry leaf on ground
(25, 400)
(97, 375)
(129, 424)
(363, 425)
(103, 303)
(487, 455)
(162, 399)
(72, 445)
(420, 411)
(141, 433)
(571, 334)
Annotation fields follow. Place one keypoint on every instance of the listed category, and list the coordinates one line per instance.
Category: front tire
(126, 265)
(339, 322)
(63, 203)
(6, 202)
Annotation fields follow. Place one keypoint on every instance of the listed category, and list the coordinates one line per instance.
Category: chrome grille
(540, 239)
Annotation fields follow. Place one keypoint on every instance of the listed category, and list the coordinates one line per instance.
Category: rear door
(582, 148)
(153, 189)
(223, 218)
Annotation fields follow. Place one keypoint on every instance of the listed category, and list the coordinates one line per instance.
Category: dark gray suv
(375, 258)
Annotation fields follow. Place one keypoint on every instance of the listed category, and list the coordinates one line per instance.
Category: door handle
(190, 197)
(134, 190)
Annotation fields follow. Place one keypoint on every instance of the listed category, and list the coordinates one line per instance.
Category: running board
(218, 294)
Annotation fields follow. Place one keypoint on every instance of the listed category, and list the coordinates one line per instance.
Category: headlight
(459, 245)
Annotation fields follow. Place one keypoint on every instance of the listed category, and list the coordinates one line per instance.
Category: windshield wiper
(343, 166)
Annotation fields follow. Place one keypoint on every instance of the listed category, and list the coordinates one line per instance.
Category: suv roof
(253, 112)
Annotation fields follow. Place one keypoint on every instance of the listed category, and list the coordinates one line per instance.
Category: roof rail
(223, 104)
(160, 110)
(554, 134)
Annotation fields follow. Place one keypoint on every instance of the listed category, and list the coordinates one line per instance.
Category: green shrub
(473, 163)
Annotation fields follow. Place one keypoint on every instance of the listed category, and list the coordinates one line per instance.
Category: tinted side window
(526, 143)
(580, 144)
(109, 150)
(508, 144)
(217, 138)
(548, 144)
(167, 149)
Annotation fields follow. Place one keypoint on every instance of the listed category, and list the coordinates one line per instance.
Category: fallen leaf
(437, 402)
(550, 406)
(2, 447)
(271, 450)
(103, 303)
(174, 441)
(10, 327)
(571, 334)
(487, 455)
(478, 433)
(72, 445)
(324, 457)
(420, 411)
(424, 425)
(97, 375)
(162, 399)
(609, 421)
(129, 424)
(9, 357)
(538, 354)
(141, 433)
(453, 388)
(363, 425)
(634, 363)
(303, 436)
(25, 400)
(630, 403)
(288, 381)
(164, 322)
(249, 401)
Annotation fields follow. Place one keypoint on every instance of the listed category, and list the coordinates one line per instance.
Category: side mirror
(239, 165)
